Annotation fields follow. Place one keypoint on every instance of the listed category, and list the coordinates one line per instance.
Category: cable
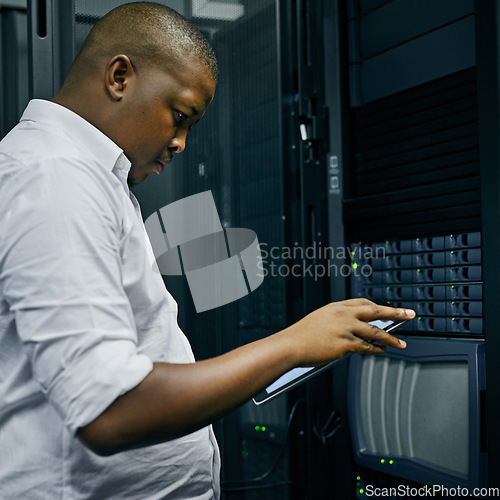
(264, 486)
(321, 434)
(273, 467)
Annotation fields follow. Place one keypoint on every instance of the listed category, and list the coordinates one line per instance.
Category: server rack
(420, 94)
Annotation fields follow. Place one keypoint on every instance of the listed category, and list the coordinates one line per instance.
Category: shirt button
(121, 163)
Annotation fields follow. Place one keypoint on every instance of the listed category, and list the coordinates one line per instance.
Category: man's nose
(178, 143)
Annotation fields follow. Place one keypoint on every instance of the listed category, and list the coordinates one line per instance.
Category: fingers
(364, 347)
(342, 327)
(369, 311)
(370, 334)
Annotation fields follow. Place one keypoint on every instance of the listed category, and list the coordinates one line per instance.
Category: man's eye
(180, 117)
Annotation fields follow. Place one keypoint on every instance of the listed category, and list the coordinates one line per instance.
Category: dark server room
(351, 150)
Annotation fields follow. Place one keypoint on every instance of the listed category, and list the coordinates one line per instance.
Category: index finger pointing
(372, 311)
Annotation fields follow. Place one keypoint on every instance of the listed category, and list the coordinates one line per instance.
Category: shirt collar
(62, 120)
(121, 169)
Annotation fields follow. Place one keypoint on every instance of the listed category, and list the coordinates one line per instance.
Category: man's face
(158, 109)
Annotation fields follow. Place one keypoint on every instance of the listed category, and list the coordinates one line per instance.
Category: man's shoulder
(37, 154)
(29, 144)
(45, 172)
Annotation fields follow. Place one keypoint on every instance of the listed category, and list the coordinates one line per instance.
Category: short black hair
(148, 32)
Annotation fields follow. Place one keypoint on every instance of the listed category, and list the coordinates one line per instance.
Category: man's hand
(176, 399)
(342, 327)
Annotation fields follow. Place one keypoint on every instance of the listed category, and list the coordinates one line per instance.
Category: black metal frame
(488, 66)
(337, 174)
(9, 69)
(50, 22)
(313, 89)
(9, 58)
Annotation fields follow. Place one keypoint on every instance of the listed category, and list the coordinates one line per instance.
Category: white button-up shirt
(82, 318)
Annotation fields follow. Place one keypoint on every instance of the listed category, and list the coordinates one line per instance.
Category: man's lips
(160, 165)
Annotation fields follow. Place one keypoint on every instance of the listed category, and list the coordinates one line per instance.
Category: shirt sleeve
(61, 275)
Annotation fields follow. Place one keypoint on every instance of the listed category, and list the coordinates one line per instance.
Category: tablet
(298, 375)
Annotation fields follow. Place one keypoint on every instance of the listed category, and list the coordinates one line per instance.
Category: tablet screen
(298, 375)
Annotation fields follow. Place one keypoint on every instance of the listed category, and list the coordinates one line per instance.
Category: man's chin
(136, 176)
(133, 181)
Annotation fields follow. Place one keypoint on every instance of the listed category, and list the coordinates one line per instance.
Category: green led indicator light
(359, 478)
(263, 429)
(244, 453)
(418, 270)
(361, 491)
(388, 301)
(387, 242)
(451, 236)
(388, 288)
(453, 303)
(419, 318)
(418, 239)
(382, 461)
(352, 253)
(452, 286)
(391, 461)
(355, 266)
(452, 319)
(257, 428)
(451, 251)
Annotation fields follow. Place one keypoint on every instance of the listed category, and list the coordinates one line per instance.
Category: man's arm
(176, 399)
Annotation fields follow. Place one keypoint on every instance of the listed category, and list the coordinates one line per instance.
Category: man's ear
(119, 72)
